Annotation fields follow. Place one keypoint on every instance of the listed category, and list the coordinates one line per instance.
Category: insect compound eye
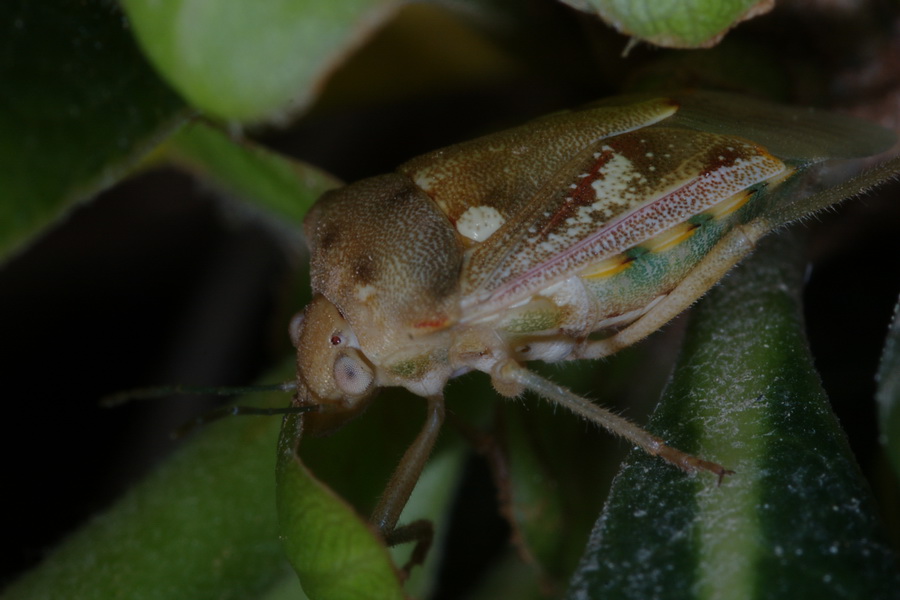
(352, 375)
(294, 327)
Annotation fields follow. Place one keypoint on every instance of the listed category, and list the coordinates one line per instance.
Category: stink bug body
(570, 237)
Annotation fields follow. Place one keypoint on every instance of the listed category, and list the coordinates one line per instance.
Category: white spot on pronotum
(478, 223)
(363, 292)
(425, 181)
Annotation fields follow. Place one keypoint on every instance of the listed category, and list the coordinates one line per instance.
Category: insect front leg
(401, 484)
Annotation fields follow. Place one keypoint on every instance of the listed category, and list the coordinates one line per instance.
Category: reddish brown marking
(434, 323)
(713, 162)
(582, 195)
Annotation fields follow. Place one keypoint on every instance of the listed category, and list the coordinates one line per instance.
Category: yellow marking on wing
(608, 267)
(729, 205)
(781, 177)
(670, 238)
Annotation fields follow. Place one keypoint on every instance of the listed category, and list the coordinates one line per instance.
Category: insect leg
(583, 407)
(401, 484)
(737, 244)
(730, 250)
(862, 183)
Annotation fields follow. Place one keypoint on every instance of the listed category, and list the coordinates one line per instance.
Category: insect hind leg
(730, 250)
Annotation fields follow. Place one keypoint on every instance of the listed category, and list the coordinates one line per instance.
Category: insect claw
(421, 532)
(688, 462)
(722, 475)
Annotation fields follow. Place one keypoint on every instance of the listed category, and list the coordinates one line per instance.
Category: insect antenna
(238, 411)
(162, 391)
(150, 393)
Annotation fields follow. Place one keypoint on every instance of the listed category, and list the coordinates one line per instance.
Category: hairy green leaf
(284, 187)
(327, 486)
(796, 520)
(203, 525)
(78, 106)
(335, 552)
(251, 61)
(888, 394)
(692, 24)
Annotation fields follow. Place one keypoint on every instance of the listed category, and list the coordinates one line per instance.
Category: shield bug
(567, 238)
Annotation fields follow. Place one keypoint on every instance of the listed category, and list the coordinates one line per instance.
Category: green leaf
(685, 24)
(251, 61)
(796, 520)
(327, 485)
(888, 394)
(201, 526)
(335, 552)
(256, 175)
(78, 107)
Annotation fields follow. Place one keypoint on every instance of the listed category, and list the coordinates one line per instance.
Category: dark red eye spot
(336, 340)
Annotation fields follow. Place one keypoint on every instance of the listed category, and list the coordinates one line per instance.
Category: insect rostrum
(570, 237)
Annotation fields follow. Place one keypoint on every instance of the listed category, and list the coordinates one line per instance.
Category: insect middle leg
(511, 371)
(736, 245)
